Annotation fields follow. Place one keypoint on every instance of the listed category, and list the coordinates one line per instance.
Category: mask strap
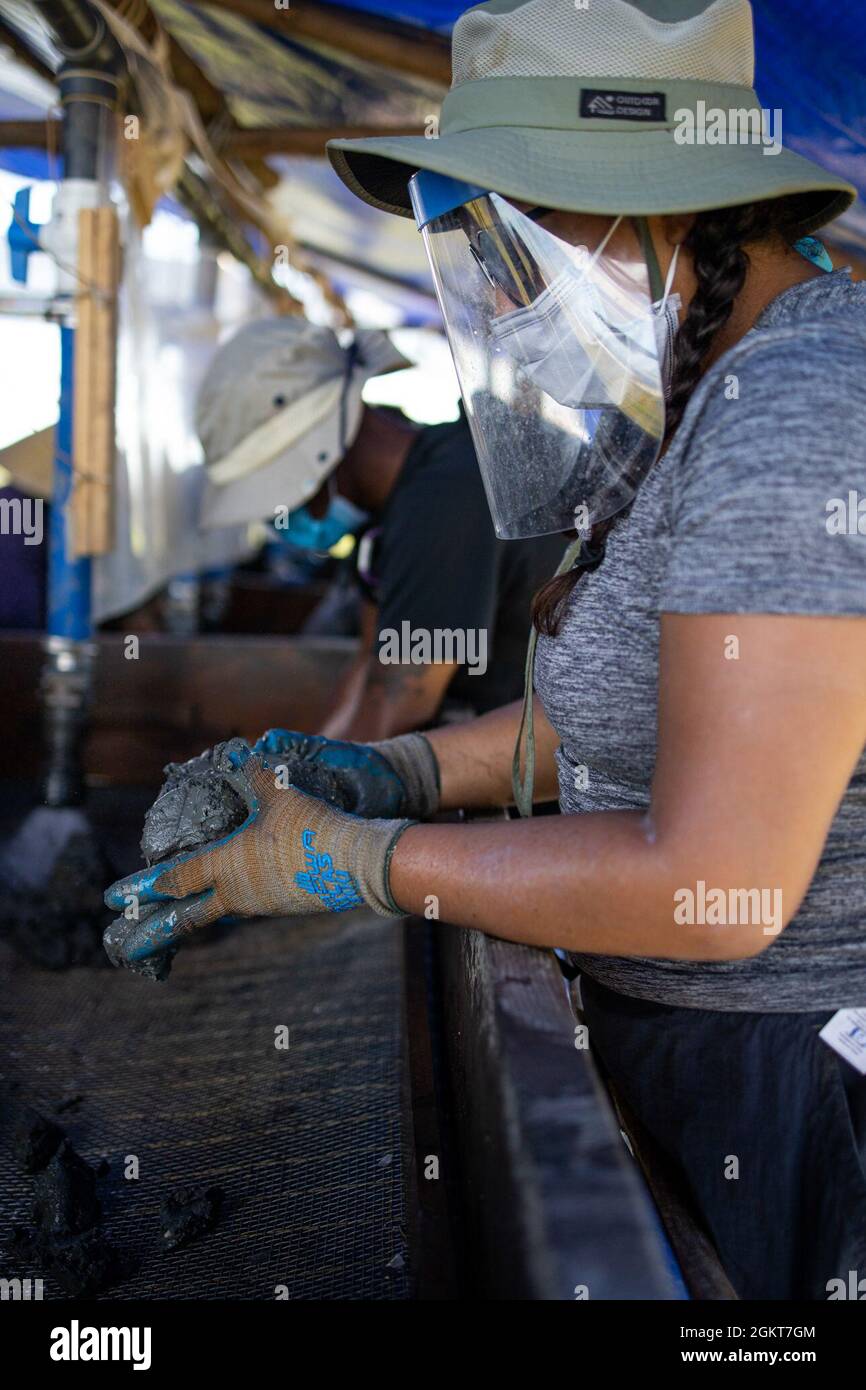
(605, 239)
(669, 279)
(592, 257)
(523, 787)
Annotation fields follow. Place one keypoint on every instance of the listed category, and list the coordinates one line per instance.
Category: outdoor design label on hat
(622, 106)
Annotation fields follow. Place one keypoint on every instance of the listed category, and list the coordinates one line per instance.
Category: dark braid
(716, 242)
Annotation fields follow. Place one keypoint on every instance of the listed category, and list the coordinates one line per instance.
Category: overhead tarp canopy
(271, 78)
(298, 69)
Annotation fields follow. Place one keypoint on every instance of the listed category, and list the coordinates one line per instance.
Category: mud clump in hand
(198, 806)
(195, 807)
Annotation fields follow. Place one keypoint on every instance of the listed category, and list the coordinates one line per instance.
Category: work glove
(293, 855)
(397, 777)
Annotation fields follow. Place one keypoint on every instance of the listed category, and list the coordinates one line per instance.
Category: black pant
(764, 1123)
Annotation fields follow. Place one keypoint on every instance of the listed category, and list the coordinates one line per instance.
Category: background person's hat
(28, 464)
(279, 406)
(574, 107)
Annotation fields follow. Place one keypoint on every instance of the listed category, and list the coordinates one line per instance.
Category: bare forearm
(341, 719)
(383, 701)
(475, 759)
(595, 883)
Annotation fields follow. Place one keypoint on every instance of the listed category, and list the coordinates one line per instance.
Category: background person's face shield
(555, 348)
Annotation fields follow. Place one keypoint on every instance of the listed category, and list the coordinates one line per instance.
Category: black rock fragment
(32, 1138)
(68, 1103)
(83, 1264)
(186, 1213)
(66, 1241)
(65, 1195)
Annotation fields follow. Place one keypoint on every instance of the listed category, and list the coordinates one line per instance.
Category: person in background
(288, 439)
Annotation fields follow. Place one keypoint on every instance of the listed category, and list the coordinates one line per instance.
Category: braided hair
(716, 241)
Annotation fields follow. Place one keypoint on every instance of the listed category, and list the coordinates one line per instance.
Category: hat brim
(290, 477)
(287, 481)
(30, 463)
(608, 172)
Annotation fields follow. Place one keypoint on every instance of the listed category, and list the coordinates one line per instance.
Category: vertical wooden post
(93, 449)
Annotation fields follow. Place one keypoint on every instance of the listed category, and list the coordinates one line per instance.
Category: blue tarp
(431, 14)
(811, 64)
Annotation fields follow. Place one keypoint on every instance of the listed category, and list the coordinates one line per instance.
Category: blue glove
(294, 854)
(398, 777)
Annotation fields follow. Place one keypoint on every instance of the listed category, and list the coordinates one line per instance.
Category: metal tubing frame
(69, 579)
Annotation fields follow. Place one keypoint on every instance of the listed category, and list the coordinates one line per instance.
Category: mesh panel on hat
(609, 38)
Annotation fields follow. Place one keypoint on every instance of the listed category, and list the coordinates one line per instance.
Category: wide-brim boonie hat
(612, 107)
(279, 405)
(29, 462)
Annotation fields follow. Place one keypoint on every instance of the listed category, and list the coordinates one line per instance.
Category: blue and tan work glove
(292, 855)
(397, 777)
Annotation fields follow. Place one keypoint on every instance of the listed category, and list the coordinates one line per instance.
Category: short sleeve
(768, 502)
(439, 554)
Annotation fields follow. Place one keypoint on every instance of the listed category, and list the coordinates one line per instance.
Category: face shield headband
(559, 351)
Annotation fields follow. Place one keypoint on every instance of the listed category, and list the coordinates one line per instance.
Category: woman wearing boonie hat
(653, 359)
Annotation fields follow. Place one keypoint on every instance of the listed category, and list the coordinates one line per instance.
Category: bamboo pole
(249, 144)
(93, 447)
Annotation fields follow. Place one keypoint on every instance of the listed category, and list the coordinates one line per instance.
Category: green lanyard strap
(523, 787)
(654, 274)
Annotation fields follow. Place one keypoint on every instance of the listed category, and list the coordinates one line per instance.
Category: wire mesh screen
(304, 1141)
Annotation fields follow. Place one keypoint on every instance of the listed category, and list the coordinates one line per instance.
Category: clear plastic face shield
(557, 351)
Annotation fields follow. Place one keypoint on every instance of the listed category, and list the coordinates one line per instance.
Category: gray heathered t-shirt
(733, 519)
